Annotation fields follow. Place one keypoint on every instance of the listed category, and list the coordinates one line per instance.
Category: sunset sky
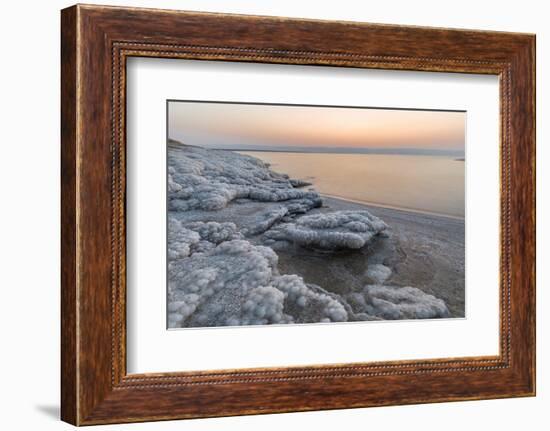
(305, 128)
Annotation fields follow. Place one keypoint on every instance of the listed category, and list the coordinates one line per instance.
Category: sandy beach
(248, 246)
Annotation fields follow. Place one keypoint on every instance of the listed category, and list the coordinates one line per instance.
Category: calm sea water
(425, 183)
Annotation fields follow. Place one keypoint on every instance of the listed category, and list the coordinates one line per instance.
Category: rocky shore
(250, 246)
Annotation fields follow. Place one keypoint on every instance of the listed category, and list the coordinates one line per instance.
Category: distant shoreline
(456, 155)
(386, 152)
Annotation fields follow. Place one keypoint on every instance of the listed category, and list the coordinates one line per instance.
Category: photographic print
(300, 214)
(284, 213)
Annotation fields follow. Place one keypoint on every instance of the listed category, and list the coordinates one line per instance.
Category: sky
(325, 129)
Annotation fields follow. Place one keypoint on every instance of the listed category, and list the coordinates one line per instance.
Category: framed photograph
(264, 215)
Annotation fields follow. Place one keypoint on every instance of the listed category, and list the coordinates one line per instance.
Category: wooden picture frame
(96, 41)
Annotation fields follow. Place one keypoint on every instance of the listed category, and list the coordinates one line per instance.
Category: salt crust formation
(219, 276)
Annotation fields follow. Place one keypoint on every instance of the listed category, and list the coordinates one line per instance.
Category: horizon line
(339, 150)
(336, 150)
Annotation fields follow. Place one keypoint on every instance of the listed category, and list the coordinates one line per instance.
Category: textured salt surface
(232, 220)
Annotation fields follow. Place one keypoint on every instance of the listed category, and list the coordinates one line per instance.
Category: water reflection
(425, 183)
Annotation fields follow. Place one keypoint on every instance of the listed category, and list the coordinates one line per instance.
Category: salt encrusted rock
(265, 220)
(210, 179)
(331, 231)
(217, 278)
(180, 240)
(300, 297)
(237, 283)
(393, 302)
(214, 232)
(378, 273)
(187, 238)
(299, 183)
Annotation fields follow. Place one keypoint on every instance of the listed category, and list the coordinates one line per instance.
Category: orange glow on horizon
(234, 125)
